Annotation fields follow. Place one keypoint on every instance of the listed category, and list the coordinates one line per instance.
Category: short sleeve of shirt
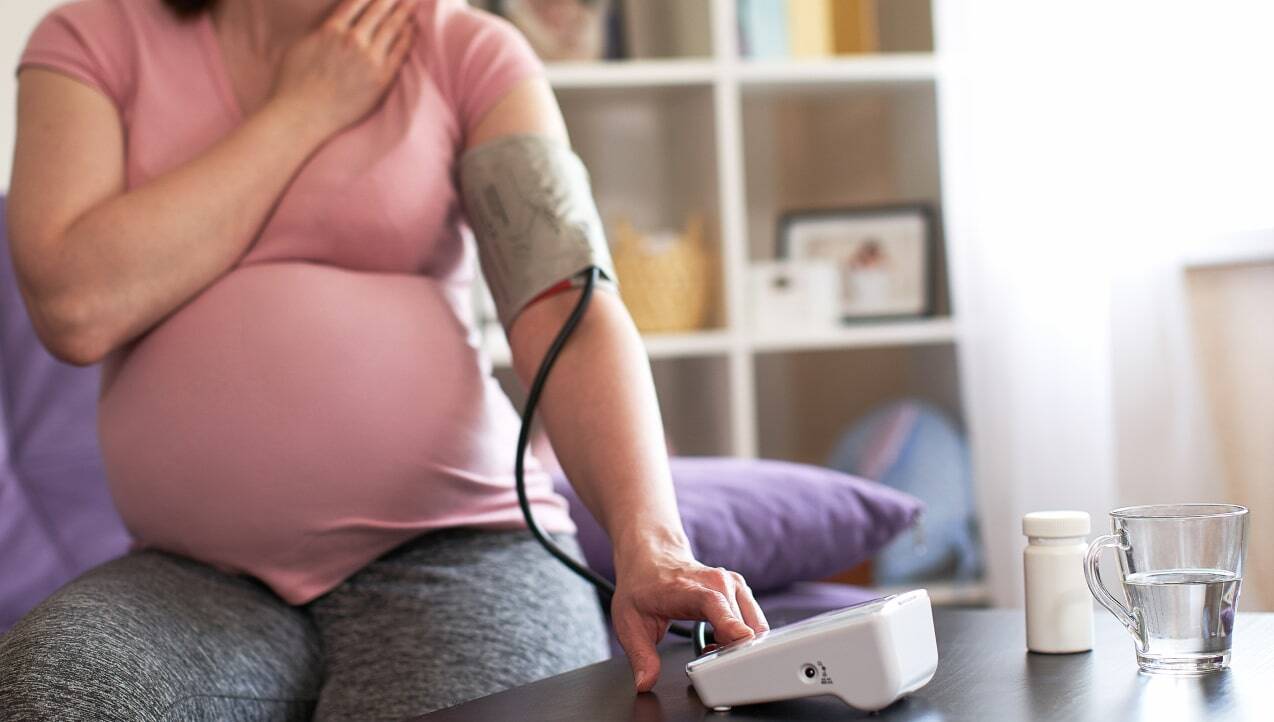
(86, 40)
(485, 58)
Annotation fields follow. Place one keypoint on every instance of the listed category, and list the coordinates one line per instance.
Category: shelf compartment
(694, 396)
(652, 155)
(807, 399)
(808, 148)
(865, 145)
(650, 151)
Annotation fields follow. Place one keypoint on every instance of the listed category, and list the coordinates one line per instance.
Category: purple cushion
(774, 522)
(26, 567)
(56, 516)
(782, 606)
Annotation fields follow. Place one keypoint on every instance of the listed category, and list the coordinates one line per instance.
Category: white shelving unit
(667, 136)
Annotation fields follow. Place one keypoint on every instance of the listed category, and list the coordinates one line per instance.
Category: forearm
(133, 259)
(602, 415)
(600, 409)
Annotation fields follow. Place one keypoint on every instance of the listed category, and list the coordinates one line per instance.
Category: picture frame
(884, 256)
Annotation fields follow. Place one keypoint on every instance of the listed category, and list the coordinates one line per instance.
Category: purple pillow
(56, 515)
(27, 571)
(802, 598)
(773, 522)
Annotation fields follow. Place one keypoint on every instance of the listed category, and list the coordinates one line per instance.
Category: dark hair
(189, 8)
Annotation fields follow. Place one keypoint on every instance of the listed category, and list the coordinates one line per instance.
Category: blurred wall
(1086, 147)
(17, 18)
(1230, 307)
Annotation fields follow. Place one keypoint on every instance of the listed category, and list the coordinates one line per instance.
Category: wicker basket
(667, 281)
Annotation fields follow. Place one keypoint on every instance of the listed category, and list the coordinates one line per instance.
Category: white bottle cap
(1056, 523)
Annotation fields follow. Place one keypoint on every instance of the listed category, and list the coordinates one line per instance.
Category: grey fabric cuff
(531, 208)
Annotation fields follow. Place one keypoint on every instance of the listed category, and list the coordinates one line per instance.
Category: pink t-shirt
(327, 399)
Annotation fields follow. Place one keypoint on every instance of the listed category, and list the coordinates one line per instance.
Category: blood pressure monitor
(869, 655)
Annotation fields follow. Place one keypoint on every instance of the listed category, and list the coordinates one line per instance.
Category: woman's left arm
(600, 409)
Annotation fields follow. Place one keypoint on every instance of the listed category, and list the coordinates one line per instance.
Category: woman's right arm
(99, 265)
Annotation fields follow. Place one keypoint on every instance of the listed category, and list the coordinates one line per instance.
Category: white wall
(1033, 313)
(17, 18)
(1083, 153)
(1230, 306)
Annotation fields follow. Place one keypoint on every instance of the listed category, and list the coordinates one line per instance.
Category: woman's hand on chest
(337, 73)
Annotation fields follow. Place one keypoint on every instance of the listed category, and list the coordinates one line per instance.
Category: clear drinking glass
(1181, 566)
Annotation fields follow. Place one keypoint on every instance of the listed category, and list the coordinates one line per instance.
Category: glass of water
(1181, 566)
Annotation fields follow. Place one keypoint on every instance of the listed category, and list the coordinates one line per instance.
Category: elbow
(71, 321)
(70, 331)
(76, 351)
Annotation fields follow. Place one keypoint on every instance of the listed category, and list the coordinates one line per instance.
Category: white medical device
(869, 655)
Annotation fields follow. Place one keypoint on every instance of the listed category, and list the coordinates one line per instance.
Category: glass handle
(1131, 618)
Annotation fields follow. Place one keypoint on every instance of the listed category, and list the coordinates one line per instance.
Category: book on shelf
(666, 28)
(763, 29)
(776, 29)
(809, 28)
(854, 27)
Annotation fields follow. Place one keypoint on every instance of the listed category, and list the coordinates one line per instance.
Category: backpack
(912, 446)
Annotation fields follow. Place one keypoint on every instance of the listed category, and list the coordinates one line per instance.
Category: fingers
(638, 640)
(344, 15)
(369, 22)
(738, 595)
(398, 51)
(645, 601)
(727, 626)
(391, 32)
(730, 588)
(752, 614)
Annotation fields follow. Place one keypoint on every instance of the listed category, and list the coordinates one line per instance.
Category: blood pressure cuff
(531, 208)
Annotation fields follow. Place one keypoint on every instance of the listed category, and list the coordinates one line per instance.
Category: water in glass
(1186, 612)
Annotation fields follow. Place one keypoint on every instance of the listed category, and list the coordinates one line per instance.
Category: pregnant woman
(251, 212)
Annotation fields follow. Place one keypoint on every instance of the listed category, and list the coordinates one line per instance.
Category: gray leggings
(447, 617)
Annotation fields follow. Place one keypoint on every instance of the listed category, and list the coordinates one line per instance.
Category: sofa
(57, 518)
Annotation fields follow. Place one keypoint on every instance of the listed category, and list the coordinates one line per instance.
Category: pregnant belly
(294, 398)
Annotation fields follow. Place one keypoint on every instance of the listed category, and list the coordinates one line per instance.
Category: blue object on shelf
(763, 29)
(912, 446)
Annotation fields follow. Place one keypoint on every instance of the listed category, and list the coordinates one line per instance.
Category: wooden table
(984, 673)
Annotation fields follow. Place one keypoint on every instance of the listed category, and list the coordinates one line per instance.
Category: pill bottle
(1059, 607)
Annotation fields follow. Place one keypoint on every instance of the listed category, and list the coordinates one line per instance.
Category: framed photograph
(883, 256)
